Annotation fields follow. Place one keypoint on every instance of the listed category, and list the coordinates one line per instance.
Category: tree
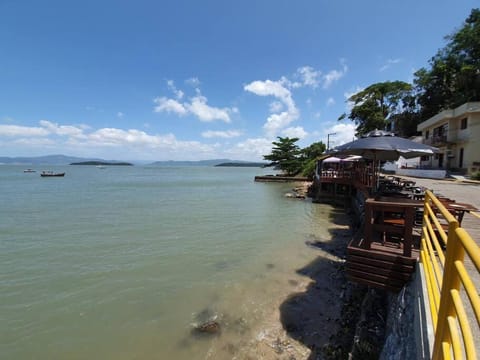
(454, 74)
(374, 107)
(309, 156)
(314, 150)
(286, 155)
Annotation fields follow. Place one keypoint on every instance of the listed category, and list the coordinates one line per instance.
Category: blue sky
(191, 80)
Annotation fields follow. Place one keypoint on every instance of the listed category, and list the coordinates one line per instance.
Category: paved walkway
(464, 192)
(461, 191)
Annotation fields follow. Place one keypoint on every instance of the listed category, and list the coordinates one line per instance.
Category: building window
(463, 123)
(427, 134)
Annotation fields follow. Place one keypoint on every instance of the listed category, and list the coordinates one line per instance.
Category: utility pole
(328, 140)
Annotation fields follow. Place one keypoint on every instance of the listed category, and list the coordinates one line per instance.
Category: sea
(124, 262)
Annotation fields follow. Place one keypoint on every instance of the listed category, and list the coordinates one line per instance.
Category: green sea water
(120, 263)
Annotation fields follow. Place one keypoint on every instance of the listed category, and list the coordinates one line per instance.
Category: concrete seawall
(278, 178)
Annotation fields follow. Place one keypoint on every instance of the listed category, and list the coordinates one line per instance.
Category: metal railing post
(450, 281)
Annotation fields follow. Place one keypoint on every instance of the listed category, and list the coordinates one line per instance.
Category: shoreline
(303, 325)
(321, 318)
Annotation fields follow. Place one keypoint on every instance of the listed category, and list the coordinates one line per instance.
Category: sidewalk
(465, 191)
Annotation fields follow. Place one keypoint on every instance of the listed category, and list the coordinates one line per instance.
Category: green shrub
(308, 169)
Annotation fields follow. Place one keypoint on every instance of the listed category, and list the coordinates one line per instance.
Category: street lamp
(328, 140)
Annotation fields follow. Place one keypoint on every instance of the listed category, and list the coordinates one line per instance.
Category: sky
(193, 80)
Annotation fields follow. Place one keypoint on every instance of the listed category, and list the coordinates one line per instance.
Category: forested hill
(243, 164)
(102, 163)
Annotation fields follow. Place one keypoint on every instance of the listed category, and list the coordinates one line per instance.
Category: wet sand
(300, 325)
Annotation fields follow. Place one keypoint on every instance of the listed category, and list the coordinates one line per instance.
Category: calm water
(118, 263)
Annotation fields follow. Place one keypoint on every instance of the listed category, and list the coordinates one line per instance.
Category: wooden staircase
(383, 265)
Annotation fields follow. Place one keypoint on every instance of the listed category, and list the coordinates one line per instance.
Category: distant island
(73, 160)
(102, 163)
(243, 164)
(212, 162)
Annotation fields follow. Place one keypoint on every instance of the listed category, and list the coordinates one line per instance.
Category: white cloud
(120, 115)
(344, 132)
(277, 121)
(284, 110)
(197, 105)
(16, 130)
(250, 149)
(221, 134)
(193, 82)
(204, 112)
(62, 130)
(82, 141)
(276, 106)
(169, 105)
(35, 142)
(349, 94)
(270, 88)
(330, 101)
(295, 132)
(131, 144)
(309, 76)
(334, 75)
(389, 63)
(146, 146)
(178, 93)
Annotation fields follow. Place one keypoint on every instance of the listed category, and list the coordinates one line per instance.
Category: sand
(302, 324)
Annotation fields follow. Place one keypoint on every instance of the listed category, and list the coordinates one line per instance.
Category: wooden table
(375, 209)
(458, 209)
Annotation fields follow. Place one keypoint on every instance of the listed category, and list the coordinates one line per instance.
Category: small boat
(51, 174)
(101, 167)
(29, 171)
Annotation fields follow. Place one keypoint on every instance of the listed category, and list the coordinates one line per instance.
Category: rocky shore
(319, 319)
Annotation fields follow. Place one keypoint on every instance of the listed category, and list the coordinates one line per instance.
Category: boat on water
(51, 174)
(29, 171)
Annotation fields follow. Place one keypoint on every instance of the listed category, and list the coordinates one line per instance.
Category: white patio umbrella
(332, 159)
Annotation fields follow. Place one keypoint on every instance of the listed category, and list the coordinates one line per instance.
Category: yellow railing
(452, 293)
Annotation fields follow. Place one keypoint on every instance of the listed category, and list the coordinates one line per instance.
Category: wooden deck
(383, 265)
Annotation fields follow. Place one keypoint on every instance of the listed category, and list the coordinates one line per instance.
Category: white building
(457, 134)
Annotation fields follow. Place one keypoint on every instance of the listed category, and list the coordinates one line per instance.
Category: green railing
(453, 296)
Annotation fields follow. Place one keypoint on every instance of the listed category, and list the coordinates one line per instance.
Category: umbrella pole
(375, 175)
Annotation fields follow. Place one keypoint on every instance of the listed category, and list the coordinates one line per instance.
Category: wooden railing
(452, 294)
(360, 176)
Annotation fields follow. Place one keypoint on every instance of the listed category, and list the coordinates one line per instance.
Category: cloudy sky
(191, 79)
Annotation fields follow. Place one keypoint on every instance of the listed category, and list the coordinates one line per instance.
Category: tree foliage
(454, 74)
(285, 155)
(374, 106)
(314, 150)
(451, 79)
(291, 159)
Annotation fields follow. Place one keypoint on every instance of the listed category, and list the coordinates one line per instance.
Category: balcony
(436, 140)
